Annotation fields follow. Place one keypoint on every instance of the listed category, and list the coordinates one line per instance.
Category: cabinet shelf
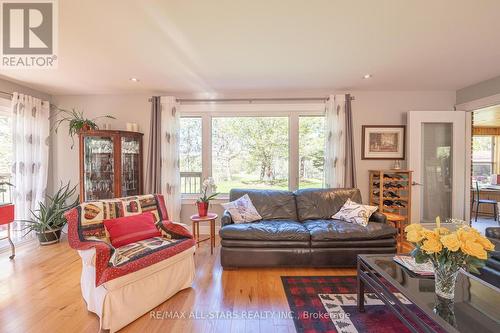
(381, 181)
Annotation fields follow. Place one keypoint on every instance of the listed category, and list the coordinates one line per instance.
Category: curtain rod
(6, 93)
(250, 100)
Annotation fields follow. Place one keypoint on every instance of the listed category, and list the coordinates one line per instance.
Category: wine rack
(390, 190)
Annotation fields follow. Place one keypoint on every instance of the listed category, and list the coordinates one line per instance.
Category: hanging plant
(76, 122)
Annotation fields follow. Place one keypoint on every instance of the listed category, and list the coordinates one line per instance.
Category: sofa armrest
(226, 219)
(378, 217)
(493, 233)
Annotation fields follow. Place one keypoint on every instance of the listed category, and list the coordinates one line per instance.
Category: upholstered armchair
(121, 284)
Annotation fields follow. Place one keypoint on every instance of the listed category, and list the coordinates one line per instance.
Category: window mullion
(293, 151)
(206, 143)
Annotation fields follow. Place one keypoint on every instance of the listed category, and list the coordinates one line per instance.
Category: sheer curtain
(340, 169)
(170, 168)
(30, 152)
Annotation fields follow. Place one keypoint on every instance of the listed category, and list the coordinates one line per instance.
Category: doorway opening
(485, 167)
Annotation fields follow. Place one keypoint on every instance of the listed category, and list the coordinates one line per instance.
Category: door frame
(470, 107)
(462, 185)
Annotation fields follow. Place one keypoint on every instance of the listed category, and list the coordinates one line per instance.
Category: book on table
(409, 263)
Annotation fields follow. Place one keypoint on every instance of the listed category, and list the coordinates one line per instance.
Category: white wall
(369, 108)
(479, 90)
(10, 87)
(125, 108)
(389, 108)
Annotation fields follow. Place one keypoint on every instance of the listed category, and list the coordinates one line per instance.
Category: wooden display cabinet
(110, 164)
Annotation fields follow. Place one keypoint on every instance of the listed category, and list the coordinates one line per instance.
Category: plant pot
(49, 236)
(85, 127)
(202, 208)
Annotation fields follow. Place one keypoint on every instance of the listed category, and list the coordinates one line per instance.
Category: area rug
(329, 304)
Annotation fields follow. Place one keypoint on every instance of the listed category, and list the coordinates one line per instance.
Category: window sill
(191, 199)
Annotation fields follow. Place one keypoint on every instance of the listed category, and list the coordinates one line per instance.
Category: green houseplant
(203, 202)
(76, 122)
(48, 220)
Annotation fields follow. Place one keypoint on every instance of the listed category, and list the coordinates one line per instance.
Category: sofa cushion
(323, 203)
(280, 230)
(327, 230)
(358, 244)
(271, 204)
(140, 249)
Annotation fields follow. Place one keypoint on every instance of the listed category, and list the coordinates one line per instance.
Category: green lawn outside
(243, 182)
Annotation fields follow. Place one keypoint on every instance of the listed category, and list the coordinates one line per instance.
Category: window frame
(492, 157)
(207, 111)
(6, 112)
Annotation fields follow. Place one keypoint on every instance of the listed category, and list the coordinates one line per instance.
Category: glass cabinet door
(98, 168)
(130, 166)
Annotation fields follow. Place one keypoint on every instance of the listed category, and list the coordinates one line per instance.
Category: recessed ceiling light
(134, 79)
(367, 76)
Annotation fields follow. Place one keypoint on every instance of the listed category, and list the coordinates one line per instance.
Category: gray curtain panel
(350, 164)
(153, 168)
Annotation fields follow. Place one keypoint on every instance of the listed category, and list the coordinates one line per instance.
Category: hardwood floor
(40, 292)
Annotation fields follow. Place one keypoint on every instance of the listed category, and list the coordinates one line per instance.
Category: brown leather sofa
(297, 230)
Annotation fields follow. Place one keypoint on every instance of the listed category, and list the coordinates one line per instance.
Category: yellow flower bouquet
(448, 252)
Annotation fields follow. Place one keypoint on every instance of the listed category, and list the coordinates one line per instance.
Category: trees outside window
(311, 151)
(250, 152)
(190, 147)
(283, 151)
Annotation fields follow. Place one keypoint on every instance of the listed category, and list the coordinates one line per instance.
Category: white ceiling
(217, 46)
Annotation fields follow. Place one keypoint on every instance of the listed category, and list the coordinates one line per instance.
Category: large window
(250, 152)
(482, 159)
(263, 147)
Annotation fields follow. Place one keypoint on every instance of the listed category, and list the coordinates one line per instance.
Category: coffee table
(476, 307)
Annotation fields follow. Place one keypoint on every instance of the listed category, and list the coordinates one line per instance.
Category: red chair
(7, 217)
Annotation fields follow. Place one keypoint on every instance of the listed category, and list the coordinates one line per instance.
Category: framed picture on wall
(383, 142)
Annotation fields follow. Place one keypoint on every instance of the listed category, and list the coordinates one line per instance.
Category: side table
(196, 219)
(399, 223)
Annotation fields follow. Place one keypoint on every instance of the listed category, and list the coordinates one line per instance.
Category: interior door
(437, 153)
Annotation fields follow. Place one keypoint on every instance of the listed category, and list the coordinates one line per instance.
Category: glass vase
(445, 280)
(445, 309)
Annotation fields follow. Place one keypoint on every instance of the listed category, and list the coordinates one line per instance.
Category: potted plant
(48, 220)
(76, 122)
(203, 202)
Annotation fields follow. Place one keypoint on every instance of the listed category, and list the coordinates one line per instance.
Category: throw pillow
(131, 229)
(355, 213)
(242, 210)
